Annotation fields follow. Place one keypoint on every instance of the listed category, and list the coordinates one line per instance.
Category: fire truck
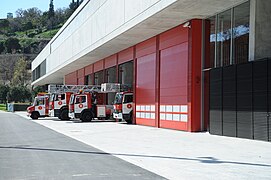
(123, 103)
(55, 102)
(89, 104)
(40, 107)
(60, 98)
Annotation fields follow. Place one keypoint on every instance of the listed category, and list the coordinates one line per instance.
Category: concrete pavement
(31, 151)
(172, 154)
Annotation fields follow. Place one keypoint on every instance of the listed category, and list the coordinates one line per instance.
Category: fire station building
(194, 65)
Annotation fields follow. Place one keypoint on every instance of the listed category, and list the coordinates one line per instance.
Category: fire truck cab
(59, 103)
(123, 106)
(87, 106)
(40, 107)
(123, 103)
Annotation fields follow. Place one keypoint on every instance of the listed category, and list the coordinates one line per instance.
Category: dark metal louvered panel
(216, 101)
(229, 101)
(269, 98)
(260, 100)
(244, 101)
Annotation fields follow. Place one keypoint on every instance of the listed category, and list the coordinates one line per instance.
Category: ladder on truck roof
(114, 87)
(56, 88)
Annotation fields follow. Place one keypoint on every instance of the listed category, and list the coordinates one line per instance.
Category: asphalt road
(31, 151)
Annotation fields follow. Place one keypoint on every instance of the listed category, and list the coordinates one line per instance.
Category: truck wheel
(130, 120)
(87, 117)
(64, 114)
(34, 115)
(107, 117)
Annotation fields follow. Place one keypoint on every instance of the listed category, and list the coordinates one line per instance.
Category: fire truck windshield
(38, 101)
(118, 98)
(72, 99)
(52, 97)
(128, 98)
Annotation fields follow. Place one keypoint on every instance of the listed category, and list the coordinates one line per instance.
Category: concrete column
(260, 27)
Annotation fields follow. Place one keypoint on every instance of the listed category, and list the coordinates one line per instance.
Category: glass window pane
(224, 38)
(99, 77)
(241, 33)
(111, 75)
(126, 73)
(212, 41)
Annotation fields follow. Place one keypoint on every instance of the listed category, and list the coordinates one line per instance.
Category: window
(111, 75)
(60, 97)
(128, 98)
(72, 99)
(118, 98)
(99, 78)
(80, 99)
(229, 36)
(89, 79)
(126, 73)
(241, 33)
(39, 71)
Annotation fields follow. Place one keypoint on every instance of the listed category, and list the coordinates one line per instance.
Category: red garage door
(174, 87)
(145, 90)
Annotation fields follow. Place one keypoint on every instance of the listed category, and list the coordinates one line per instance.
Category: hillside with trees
(32, 29)
(21, 39)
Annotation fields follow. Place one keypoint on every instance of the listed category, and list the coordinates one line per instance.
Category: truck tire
(130, 120)
(64, 114)
(107, 117)
(34, 115)
(87, 116)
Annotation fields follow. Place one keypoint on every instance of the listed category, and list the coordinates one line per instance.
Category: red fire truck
(60, 98)
(123, 103)
(55, 102)
(40, 107)
(88, 104)
(123, 106)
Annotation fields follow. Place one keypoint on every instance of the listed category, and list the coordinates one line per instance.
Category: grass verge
(3, 107)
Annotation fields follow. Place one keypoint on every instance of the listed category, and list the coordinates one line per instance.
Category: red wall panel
(126, 55)
(89, 69)
(146, 47)
(81, 81)
(145, 88)
(195, 79)
(98, 66)
(71, 79)
(174, 72)
(81, 73)
(110, 61)
(173, 37)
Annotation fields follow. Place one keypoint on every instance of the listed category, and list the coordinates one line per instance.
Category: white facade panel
(100, 28)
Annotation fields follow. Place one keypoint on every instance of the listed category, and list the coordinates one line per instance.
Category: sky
(43, 5)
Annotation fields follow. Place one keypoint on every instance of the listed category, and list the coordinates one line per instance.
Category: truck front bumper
(117, 115)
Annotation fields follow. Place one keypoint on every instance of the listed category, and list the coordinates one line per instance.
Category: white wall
(100, 28)
(96, 20)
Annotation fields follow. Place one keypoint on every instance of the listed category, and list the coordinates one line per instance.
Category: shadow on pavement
(209, 160)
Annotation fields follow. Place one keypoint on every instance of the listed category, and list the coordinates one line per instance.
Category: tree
(2, 47)
(32, 15)
(37, 90)
(19, 94)
(74, 5)
(4, 89)
(12, 45)
(4, 25)
(51, 16)
(21, 75)
(51, 12)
